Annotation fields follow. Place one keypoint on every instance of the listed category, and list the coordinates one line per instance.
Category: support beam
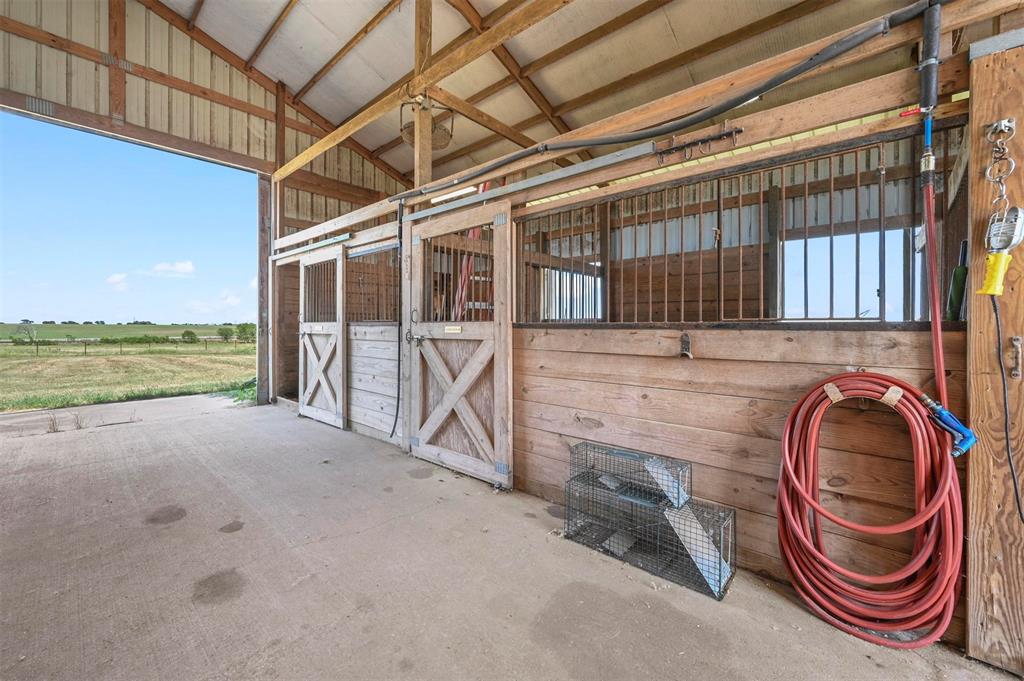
(194, 17)
(116, 21)
(551, 57)
(263, 290)
(482, 118)
(469, 13)
(306, 181)
(995, 536)
(279, 124)
(348, 46)
(289, 6)
(510, 25)
(674, 62)
(423, 122)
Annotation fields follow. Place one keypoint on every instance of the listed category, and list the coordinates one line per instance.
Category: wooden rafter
(464, 108)
(512, 24)
(674, 62)
(551, 57)
(348, 46)
(289, 6)
(210, 43)
(706, 93)
(194, 17)
(508, 61)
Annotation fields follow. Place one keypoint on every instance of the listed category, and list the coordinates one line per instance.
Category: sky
(93, 228)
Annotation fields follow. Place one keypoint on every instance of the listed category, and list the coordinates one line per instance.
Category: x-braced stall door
(321, 337)
(460, 374)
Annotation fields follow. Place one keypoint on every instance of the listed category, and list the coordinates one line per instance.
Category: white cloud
(229, 299)
(118, 281)
(253, 283)
(224, 301)
(181, 268)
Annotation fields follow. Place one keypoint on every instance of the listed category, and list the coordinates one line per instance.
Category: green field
(62, 376)
(62, 331)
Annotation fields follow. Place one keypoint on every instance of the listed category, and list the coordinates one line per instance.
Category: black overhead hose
(826, 54)
(398, 392)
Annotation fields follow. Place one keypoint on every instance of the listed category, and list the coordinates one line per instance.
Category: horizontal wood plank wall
(724, 411)
(373, 380)
(178, 94)
(286, 330)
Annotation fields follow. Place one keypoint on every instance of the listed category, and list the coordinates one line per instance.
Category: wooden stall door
(321, 337)
(460, 377)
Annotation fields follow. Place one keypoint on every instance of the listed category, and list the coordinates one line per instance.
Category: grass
(62, 331)
(64, 379)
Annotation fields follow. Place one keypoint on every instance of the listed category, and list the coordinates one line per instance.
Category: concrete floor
(188, 539)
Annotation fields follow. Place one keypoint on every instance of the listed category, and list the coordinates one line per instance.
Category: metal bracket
(1018, 356)
(703, 145)
(684, 346)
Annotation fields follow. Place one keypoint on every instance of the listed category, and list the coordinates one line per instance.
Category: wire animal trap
(632, 475)
(624, 504)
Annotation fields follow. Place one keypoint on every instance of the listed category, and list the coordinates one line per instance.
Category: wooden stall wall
(724, 411)
(373, 379)
(286, 331)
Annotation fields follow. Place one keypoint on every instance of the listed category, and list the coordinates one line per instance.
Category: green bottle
(957, 286)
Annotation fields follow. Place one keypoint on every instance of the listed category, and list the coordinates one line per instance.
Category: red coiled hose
(920, 596)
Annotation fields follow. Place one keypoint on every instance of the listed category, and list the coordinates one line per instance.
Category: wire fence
(85, 347)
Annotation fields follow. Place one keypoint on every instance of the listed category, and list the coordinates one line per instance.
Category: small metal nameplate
(453, 329)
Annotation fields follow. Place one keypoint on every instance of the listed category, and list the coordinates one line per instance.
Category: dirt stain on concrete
(389, 489)
(421, 473)
(222, 586)
(233, 526)
(529, 515)
(556, 511)
(601, 634)
(165, 515)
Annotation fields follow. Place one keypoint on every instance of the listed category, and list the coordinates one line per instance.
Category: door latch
(1018, 356)
(684, 346)
(410, 337)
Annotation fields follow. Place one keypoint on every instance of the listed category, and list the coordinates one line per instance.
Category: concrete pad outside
(200, 540)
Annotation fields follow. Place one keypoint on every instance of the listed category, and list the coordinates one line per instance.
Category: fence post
(85, 348)
(120, 348)
(37, 348)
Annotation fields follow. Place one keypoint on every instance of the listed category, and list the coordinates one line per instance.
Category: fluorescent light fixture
(471, 189)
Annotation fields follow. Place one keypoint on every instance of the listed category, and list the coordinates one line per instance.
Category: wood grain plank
(995, 535)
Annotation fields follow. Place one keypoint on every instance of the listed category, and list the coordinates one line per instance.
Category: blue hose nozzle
(963, 437)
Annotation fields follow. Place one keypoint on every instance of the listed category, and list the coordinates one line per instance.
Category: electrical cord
(824, 55)
(1006, 408)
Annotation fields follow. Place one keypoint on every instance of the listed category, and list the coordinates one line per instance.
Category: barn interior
(494, 236)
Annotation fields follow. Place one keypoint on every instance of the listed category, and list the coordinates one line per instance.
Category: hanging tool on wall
(1005, 232)
(910, 607)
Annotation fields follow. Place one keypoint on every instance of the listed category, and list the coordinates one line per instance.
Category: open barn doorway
(127, 271)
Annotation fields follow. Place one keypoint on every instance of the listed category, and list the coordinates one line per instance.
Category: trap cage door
(460, 332)
(322, 336)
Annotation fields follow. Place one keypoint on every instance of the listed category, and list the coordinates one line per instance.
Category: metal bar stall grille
(321, 292)
(824, 237)
(458, 284)
(373, 286)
